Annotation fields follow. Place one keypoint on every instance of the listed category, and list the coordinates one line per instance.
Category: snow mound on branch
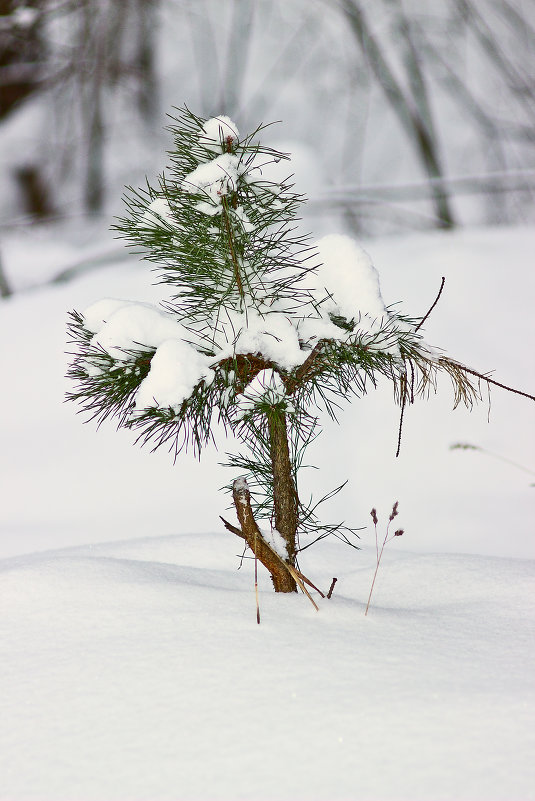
(274, 539)
(157, 211)
(265, 387)
(273, 335)
(216, 179)
(176, 369)
(120, 325)
(346, 281)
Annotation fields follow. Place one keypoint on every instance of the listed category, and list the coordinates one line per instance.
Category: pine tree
(261, 330)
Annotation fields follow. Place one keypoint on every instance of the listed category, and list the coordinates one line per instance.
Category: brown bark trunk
(283, 581)
(285, 499)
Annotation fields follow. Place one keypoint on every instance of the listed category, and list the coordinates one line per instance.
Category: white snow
(245, 222)
(216, 178)
(273, 335)
(157, 211)
(241, 483)
(216, 131)
(266, 386)
(348, 281)
(274, 538)
(120, 325)
(175, 369)
(138, 671)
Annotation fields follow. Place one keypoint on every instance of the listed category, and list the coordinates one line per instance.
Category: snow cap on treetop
(217, 132)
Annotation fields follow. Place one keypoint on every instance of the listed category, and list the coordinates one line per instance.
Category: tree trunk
(282, 579)
(5, 288)
(147, 90)
(285, 498)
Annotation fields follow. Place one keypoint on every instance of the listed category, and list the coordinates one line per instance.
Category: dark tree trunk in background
(36, 196)
(5, 289)
(147, 78)
(22, 52)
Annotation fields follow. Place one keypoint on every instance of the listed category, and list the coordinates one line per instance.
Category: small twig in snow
(331, 588)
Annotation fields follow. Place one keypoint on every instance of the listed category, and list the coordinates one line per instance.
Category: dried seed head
(394, 511)
(374, 516)
(398, 533)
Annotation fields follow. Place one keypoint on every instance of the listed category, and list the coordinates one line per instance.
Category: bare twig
(256, 584)
(297, 576)
(232, 528)
(5, 288)
(400, 429)
(422, 321)
(493, 382)
(331, 588)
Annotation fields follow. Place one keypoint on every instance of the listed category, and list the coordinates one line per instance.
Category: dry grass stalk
(387, 538)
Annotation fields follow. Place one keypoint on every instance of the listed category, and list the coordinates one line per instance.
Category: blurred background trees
(401, 114)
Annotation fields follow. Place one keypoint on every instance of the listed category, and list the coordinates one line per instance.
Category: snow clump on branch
(216, 179)
(175, 370)
(346, 283)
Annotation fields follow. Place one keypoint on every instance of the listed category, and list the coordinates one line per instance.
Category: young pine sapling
(260, 330)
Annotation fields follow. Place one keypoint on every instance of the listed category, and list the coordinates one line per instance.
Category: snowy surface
(136, 670)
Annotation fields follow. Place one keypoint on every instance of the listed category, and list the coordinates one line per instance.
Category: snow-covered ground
(138, 671)
(134, 669)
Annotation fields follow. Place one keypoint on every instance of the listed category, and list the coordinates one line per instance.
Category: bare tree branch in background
(413, 112)
(205, 50)
(239, 43)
